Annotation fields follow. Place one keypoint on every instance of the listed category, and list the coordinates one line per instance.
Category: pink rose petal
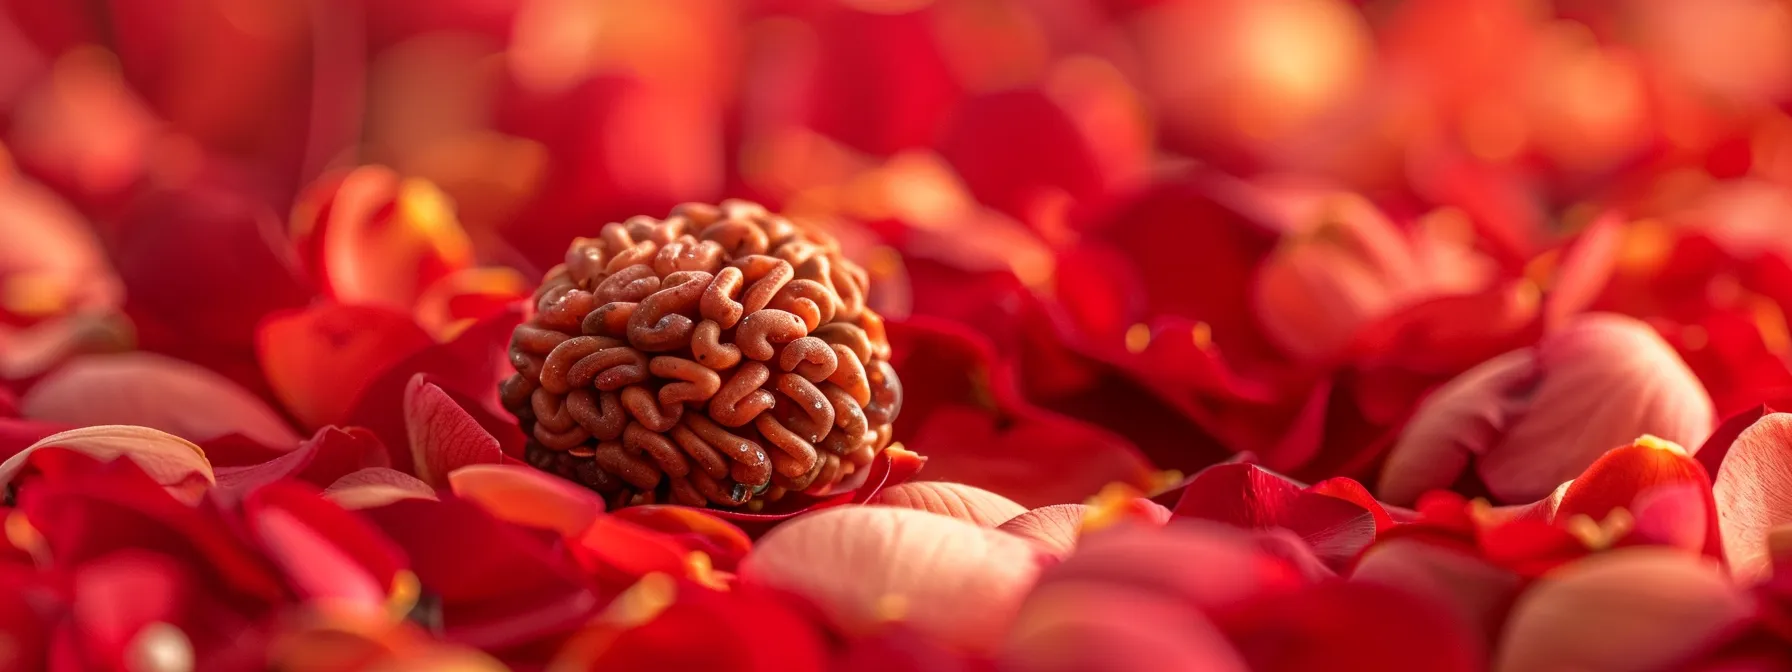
(964, 502)
(175, 463)
(1085, 628)
(1753, 491)
(154, 391)
(1630, 609)
(1053, 529)
(862, 565)
(376, 486)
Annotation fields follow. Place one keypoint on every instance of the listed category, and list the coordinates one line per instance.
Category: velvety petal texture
(172, 462)
(1534, 418)
(1753, 490)
(155, 391)
(1633, 609)
(945, 577)
(967, 503)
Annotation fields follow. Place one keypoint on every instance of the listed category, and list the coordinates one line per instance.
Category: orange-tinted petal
(964, 502)
(50, 262)
(695, 529)
(470, 294)
(1621, 477)
(527, 496)
(171, 461)
(376, 238)
(318, 360)
(376, 486)
(863, 565)
(1629, 609)
(151, 390)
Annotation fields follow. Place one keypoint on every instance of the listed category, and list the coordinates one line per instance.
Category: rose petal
(375, 487)
(1251, 497)
(1536, 417)
(650, 627)
(327, 554)
(1214, 567)
(154, 391)
(1586, 264)
(85, 508)
(1079, 627)
(1465, 417)
(527, 496)
(1606, 380)
(947, 578)
(696, 529)
(468, 295)
(174, 463)
(327, 456)
(319, 359)
(1018, 148)
(963, 412)
(1629, 609)
(500, 585)
(900, 649)
(1053, 529)
(443, 437)
(1621, 476)
(50, 261)
(17, 435)
(201, 267)
(1753, 491)
(375, 238)
(617, 553)
(1324, 284)
(1369, 625)
(898, 49)
(470, 367)
(1477, 591)
(1351, 491)
(964, 502)
(1683, 515)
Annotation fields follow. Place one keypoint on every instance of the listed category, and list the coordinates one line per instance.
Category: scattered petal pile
(1071, 335)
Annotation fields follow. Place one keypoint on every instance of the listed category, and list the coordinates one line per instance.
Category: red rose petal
(1357, 624)
(443, 437)
(318, 360)
(326, 553)
(321, 460)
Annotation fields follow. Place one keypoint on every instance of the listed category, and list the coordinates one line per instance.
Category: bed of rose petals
(1267, 334)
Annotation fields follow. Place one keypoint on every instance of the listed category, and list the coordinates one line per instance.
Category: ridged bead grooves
(722, 356)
